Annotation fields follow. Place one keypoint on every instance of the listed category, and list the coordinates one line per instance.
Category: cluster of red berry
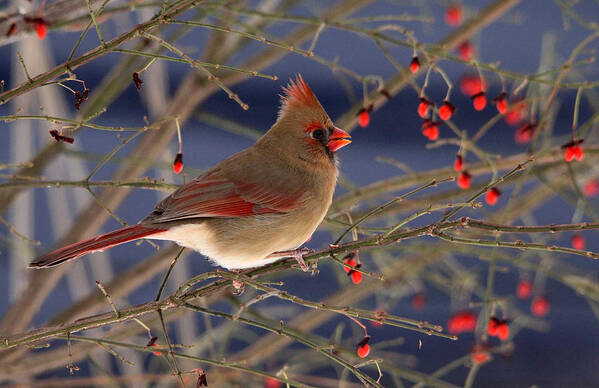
(539, 306)
(498, 328)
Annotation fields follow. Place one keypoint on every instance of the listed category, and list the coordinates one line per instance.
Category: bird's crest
(298, 94)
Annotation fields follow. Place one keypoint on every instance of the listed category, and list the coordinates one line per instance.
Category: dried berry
(137, 81)
(58, 137)
(81, 97)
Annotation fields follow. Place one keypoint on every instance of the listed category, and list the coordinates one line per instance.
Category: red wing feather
(219, 197)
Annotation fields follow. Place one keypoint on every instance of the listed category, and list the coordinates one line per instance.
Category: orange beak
(339, 138)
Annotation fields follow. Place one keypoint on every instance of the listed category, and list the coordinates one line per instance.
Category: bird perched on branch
(256, 206)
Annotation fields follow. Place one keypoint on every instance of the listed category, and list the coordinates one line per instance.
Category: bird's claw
(239, 287)
(299, 254)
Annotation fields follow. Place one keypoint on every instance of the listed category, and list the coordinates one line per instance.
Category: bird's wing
(215, 196)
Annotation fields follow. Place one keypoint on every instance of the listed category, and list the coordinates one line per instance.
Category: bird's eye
(318, 134)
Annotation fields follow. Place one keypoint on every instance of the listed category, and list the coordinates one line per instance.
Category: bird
(256, 206)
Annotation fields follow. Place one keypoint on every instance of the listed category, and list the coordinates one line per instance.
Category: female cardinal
(254, 207)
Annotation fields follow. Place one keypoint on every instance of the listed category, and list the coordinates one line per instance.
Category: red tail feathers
(98, 243)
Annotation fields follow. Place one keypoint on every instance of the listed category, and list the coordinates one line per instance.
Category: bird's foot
(297, 254)
(238, 285)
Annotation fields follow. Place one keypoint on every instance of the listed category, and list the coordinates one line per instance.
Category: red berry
(479, 101)
(501, 106)
(464, 180)
(461, 322)
(364, 118)
(492, 327)
(471, 84)
(503, 330)
(446, 110)
(418, 301)
(156, 353)
(430, 130)
(41, 29)
(573, 152)
(515, 114)
(540, 306)
(524, 133)
(178, 163)
(524, 289)
(356, 277)
(453, 15)
(578, 242)
(466, 51)
(363, 350)
(415, 64)
(480, 355)
(492, 196)
(458, 164)
(423, 107)
(501, 102)
(272, 383)
(350, 261)
(591, 188)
